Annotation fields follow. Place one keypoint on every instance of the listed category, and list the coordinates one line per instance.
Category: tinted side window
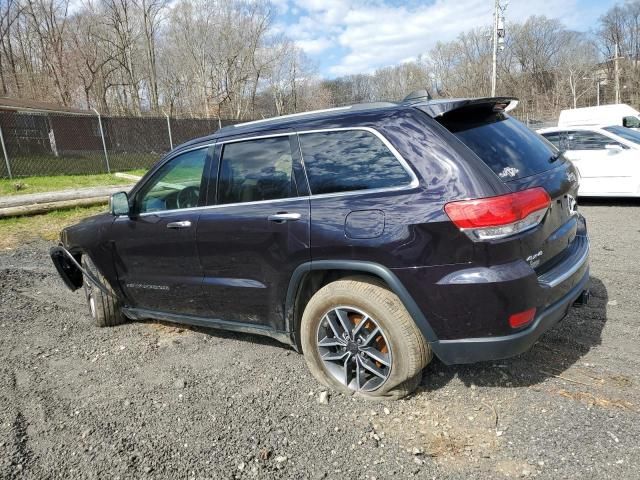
(256, 170)
(175, 185)
(349, 160)
(586, 140)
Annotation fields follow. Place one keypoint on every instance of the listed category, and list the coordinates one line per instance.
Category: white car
(607, 158)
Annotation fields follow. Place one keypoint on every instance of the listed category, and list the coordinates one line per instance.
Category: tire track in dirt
(19, 455)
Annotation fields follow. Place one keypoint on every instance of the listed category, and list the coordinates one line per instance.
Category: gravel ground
(148, 400)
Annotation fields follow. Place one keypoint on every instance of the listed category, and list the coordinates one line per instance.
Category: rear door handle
(284, 217)
(182, 224)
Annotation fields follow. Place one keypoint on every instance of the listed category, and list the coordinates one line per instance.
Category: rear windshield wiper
(556, 156)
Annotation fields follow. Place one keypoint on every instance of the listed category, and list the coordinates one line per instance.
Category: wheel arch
(309, 277)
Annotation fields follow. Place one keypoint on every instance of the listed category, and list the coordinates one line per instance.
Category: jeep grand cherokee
(368, 237)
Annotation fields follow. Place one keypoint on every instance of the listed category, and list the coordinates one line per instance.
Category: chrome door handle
(284, 217)
(182, 224)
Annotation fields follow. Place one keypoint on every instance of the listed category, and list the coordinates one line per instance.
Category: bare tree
(620, 27)
(121, 38)
(152, 12)
(576, 62)
(223, 58)
(48, 21)
(8, 16)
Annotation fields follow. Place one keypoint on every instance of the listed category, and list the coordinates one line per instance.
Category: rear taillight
(501, 216)
(521, 319)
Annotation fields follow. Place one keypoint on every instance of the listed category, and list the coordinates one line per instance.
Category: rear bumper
(470, 350)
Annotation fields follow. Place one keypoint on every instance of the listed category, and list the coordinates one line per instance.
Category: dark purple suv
(368, 237)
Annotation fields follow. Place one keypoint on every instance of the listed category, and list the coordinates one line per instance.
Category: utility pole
(617, 74)
(494, 72)
(597, 81)
(498, 40)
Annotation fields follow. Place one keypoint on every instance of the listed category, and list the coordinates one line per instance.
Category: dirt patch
(154, 400)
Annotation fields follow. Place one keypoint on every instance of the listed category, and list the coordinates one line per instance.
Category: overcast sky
(348, 36)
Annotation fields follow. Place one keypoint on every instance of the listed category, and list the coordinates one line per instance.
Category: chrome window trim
(257, 137)
(413, 184)
(208, 207)
(197, 147)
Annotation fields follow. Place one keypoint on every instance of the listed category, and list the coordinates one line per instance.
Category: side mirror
(631, 122)
(613, 148)
(119, 204)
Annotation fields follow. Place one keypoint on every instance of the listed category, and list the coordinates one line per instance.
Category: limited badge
(534, 260)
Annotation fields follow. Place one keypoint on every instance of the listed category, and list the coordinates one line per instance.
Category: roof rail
(357, 106)
(292, 115)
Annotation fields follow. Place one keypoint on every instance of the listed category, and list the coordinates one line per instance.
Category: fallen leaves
(591, 399)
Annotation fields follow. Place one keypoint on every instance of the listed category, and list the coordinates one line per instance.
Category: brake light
(501, 216)
(521, 319)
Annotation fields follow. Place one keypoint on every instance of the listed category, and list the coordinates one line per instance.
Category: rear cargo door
(547, 245)
(522, 159)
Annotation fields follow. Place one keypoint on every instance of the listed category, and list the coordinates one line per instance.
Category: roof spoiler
(440, 107)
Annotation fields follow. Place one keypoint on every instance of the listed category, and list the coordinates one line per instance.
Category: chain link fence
(536, 123)
(68, 144)
(46, 143)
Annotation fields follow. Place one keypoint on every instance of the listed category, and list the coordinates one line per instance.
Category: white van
(620, 114)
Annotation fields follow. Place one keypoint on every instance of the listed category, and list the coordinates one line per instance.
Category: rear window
(507, 146)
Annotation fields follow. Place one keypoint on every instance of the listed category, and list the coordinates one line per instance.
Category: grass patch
(140, 171)
(18, 230)
(19, 186)
(77, 163)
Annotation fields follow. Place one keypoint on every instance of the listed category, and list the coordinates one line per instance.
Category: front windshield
(624, 132)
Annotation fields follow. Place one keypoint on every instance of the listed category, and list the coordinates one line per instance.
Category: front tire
(358, 338)
(104, 309)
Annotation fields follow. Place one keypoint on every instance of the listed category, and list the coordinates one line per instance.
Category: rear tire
(103, 308)
(389, 366)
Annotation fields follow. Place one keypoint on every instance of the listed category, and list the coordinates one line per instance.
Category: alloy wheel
(354, 349)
